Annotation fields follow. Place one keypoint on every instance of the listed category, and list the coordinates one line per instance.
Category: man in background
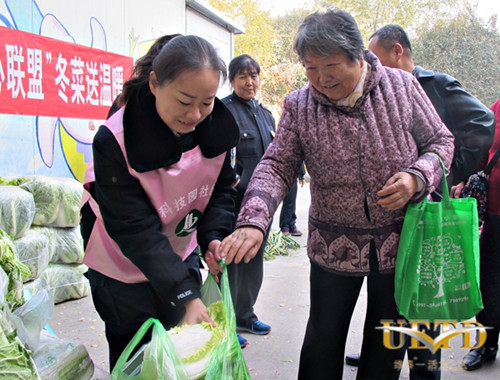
(471, 123)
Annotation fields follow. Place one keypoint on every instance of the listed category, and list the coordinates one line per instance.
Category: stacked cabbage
(17, 210)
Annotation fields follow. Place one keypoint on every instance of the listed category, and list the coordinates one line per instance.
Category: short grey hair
(325, 33)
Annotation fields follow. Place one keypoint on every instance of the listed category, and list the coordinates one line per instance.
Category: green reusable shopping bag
(437, 265)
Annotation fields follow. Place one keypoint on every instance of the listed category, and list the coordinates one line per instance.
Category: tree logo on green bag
(441, 262)
(188, 224)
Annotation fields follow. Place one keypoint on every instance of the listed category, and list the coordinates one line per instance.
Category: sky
(486, 8)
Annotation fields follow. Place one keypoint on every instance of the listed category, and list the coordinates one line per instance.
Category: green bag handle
(446, 192)
(125, 356)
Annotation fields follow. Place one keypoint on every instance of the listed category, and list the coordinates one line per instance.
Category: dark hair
(180, 54)
(185, 53)
(242, 63)
(390, 34)
(325, 33)
(143, 67)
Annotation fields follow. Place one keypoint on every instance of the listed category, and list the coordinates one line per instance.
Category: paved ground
(283, 303)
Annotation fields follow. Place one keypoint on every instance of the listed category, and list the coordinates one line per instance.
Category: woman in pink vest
(160, 186)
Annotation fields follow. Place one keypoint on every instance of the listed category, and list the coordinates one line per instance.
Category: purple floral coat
(349, 154)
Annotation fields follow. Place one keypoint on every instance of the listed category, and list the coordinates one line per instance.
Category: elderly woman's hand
(242, 244)
(397, 191)
(212, 258)
(457, 189)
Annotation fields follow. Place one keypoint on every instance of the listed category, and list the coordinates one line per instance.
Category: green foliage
(373, 14)
(259, 32)
(279, 244)
(446, 35)
(465, 48)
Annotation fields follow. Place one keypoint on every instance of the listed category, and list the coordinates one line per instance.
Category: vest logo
(420, 340)
(188, 224)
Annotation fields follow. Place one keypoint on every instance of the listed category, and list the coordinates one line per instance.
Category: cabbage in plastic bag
(17, 210)
(33, 251)
(65, 244)
(30, 318)
(14, 269)
(47, 194)
(57, 200)
(15, 359)
(62, 359)
(66, 281)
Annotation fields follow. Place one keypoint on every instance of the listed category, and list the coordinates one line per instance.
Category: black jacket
(130, 219)
(257, 127)
(471, 122)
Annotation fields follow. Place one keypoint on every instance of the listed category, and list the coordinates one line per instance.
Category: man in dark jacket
(471, 123)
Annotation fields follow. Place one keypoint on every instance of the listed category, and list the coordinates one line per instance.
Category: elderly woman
(370, 139)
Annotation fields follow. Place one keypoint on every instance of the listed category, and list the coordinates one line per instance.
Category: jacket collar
(151, 144)
(419, 72)
(252, 103)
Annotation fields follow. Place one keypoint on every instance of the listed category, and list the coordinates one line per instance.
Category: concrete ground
(283, 303)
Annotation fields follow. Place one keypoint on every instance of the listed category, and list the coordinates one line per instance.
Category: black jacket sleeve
(133, 223)
(471, 122)
(219, 216)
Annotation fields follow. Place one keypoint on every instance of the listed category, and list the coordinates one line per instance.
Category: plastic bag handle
(135, 341)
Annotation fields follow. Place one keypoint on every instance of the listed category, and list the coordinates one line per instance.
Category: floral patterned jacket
(350, 153)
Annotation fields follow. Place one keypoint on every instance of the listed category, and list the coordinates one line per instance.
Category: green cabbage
(57, 200)
(14, 269)
(62, 359)
(17, 210)
(33, 250)
(71, 199)
(47, 195)
(196, 343)
(16, 362)
(66, 281)
(65, 244)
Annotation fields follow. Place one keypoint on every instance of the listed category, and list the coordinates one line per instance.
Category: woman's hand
(242, 244)
(212, 258)
(196, 312)
(397, 191)
(456, 190)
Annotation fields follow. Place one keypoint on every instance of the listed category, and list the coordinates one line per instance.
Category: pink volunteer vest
(179, 194)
